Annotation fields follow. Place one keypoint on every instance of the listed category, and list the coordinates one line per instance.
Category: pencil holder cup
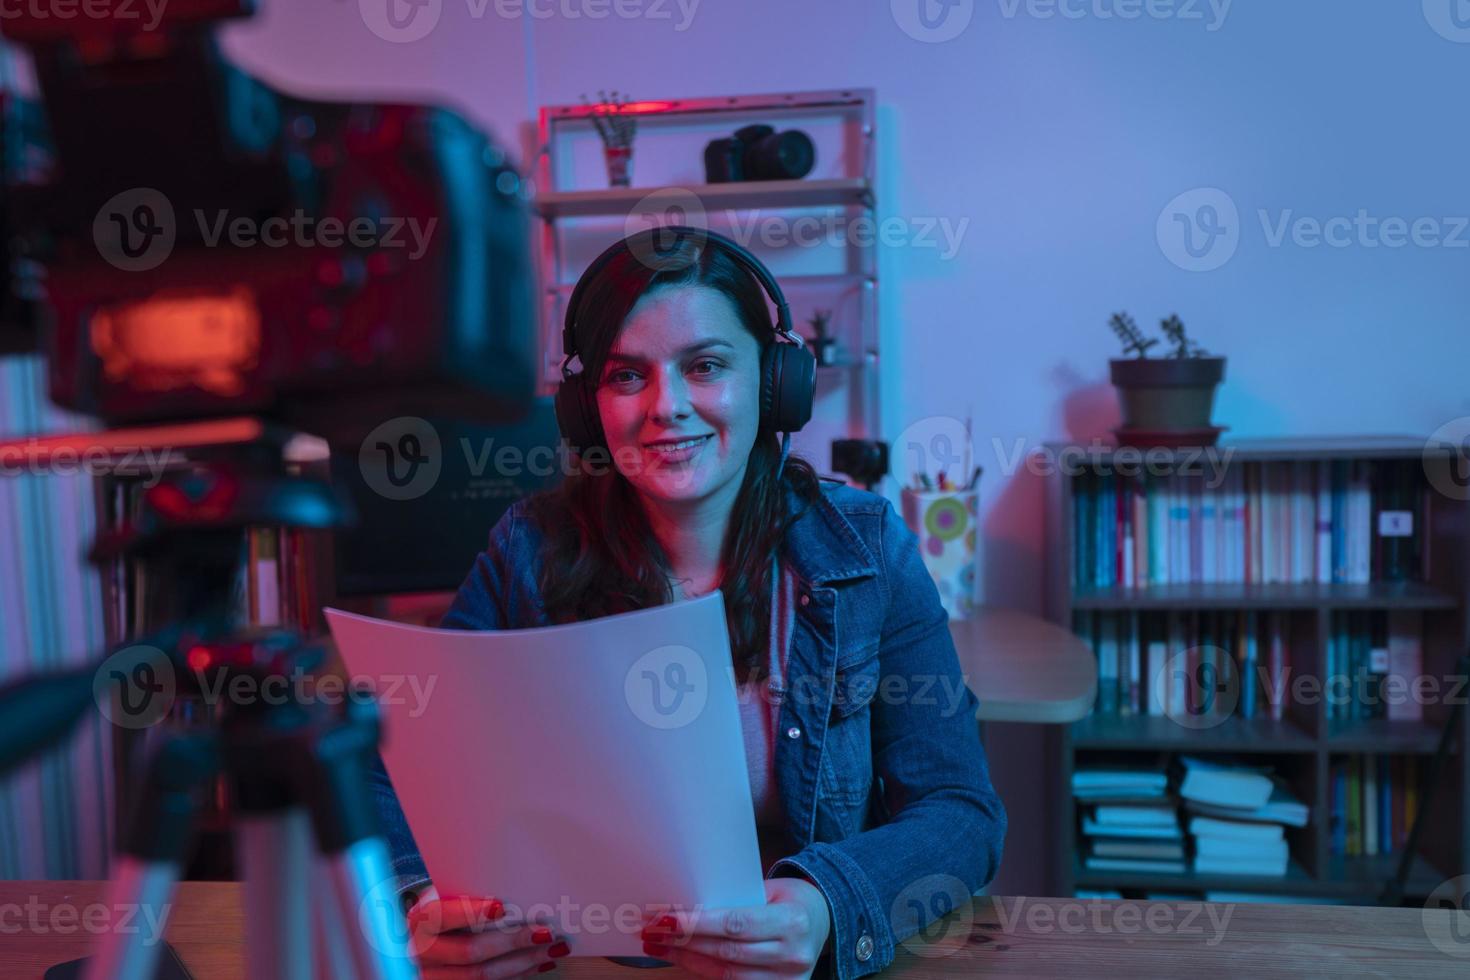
(946, 523)
(619, 161)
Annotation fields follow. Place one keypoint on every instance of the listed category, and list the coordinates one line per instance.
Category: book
(1092, 828)
(1265, 868)
(1251, 851)
(1120, 779)
(1147, 850)
(1281, 808)
(1134, 865)
(1242, 830)
(1405, 666)
(1164, 815)
(1207, 781)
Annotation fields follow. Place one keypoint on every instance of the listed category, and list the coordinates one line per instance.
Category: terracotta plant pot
(1160, 394)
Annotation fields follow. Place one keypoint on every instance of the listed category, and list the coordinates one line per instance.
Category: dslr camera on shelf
(759, 152)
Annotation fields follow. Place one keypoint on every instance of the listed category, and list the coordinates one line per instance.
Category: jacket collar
(822, 544)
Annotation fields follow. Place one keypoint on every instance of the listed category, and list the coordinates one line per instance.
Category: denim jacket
(879, 763)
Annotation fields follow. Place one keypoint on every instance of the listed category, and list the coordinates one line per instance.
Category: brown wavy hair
(599, 555)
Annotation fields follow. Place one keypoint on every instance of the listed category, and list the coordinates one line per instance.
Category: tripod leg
(275, 863)
(135, 885)
(333, 952)
(354, 851)
(367, 905)
(151, 859)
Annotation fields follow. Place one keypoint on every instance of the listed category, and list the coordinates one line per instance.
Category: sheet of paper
(584, 774)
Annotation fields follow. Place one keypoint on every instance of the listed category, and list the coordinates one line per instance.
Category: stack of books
(1237, 818)
(1130, 822)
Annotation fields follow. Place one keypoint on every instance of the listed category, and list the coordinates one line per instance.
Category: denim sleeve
(478, 605)
(944, 840)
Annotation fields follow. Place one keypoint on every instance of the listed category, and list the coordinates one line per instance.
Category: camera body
(759, 152)
(207, 245)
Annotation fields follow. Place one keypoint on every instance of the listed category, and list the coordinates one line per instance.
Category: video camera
(201, 245)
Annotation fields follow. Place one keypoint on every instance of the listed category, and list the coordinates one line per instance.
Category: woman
(871, 800)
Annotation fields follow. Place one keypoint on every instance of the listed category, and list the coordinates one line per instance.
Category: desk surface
(994, 937)
(1024, 668)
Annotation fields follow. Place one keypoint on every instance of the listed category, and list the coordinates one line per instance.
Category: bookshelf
(1311, 738)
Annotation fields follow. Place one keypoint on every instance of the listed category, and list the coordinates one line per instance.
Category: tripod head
(187, 533)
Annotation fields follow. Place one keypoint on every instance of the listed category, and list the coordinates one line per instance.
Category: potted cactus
(1164, 400)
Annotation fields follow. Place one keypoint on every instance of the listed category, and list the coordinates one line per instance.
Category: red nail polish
(560, 949)
(541, 936)
(545, 966)
(655, 949)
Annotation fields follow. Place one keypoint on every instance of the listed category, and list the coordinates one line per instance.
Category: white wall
(1060, 139)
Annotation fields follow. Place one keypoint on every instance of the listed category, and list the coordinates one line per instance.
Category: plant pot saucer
(1168, 438)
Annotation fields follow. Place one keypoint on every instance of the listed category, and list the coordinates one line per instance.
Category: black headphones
(788, 371)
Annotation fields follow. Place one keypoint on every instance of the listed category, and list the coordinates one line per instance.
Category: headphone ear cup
(788, 386)
(768, 386)
(576, 414)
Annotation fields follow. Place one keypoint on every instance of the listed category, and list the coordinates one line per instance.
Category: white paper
(585, 774)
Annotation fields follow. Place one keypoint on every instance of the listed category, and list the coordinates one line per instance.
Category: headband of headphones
(661, 241)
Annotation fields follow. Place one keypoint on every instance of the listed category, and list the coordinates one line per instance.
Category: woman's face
(683, 367)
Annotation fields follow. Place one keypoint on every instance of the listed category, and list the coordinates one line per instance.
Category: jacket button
(793, 732)
(805, 599)
(864, 948)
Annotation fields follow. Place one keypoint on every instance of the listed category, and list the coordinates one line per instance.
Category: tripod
(296, 763)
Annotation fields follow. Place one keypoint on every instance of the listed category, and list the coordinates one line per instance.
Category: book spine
(1370, 806)
(1339, 567)
(1338, 815)
(1385, 806)
(1277, 670)
(1323, 522)
(1125, 545)
(1140, 531)
(1354, 808)
(1250, 677)
(1135, 665)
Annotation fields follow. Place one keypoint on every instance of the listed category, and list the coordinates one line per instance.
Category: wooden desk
(1024, 668)
(993, 937)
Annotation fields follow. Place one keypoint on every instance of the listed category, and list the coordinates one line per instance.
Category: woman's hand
(783, 938)
(467, 937)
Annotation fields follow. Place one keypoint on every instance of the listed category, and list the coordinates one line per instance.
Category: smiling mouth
(675, 448)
